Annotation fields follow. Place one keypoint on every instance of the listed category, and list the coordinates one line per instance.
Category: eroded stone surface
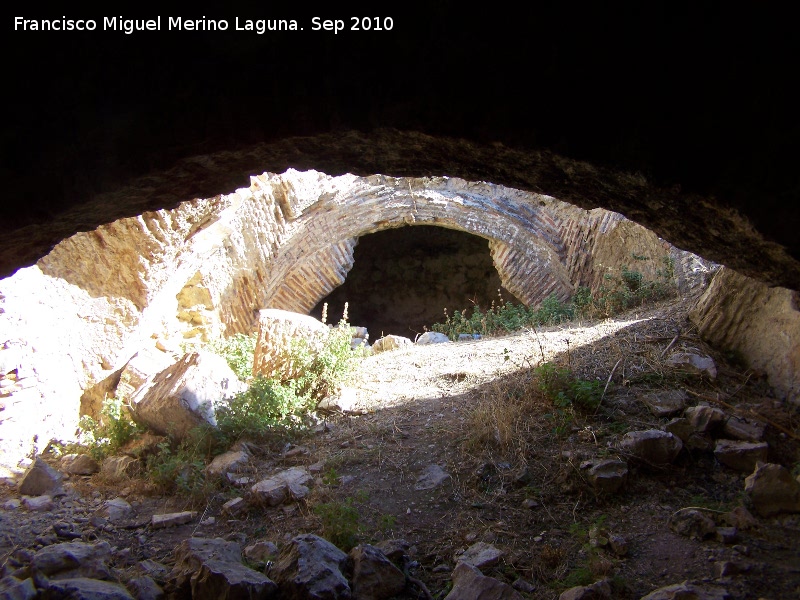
(760, 322)
(390, 342)
(283, 486)
(39, 479)
(741, 456)
(652, 446)
(470, 584)
(184, 396)
(374, 575)
(773, 490)
(212, 568)
(667, 403)
(608, 475)
(310, 567)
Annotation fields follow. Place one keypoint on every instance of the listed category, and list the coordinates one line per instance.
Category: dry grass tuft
(506, 410)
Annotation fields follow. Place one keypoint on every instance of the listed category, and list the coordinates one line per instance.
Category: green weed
(112, 431)
(238, 350)
(620, 292)
(340, 524)
(565, 390)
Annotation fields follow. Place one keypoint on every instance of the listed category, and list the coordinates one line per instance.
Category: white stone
(185, 395)
(481, 555)
(288, 484)
(432, 337)
(172, 519)
(38, 503)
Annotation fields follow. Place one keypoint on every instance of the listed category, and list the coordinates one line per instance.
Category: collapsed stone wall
(205, 268)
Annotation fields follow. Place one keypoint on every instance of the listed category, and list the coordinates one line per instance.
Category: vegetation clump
(268, 410)
(617, 293)
(114, 428)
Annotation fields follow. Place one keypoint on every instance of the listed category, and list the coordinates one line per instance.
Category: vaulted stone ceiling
(682, 120)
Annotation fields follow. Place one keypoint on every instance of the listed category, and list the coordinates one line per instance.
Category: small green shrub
(114, 429)
(631, 289)
(503, 318)
(565, 390)
(322, 370)
(616, 294)
(180, 468)
(264, 407)
(340, 524)
(272, 407)
(238, 350)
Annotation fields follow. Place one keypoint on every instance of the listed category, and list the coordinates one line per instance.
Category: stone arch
(294, 236)
(525, 242)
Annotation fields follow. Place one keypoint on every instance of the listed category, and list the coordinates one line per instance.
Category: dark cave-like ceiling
(584, 105)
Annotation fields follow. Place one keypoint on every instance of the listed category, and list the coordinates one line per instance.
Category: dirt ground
(516, 465)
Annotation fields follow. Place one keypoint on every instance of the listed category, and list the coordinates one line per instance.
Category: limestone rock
(374, 575)
(390, 342)
(140, 371)
(234, 506)
(38, 503)
(119, 467)
(39, 479)
(156, 570)
(608, 475)
(705, 419)
(727, 535)
(432, 477)
(12, 588)
(310, 567)
(692, 523)
(667, 403)
(278, 332)
(681, 428)
(470, 584)
(82, 588)
(741, 456)
(652, 446)
(261, 552)
(117, 510)
(686, 591)
(345, 400)
(228, 462)
(740, 518)
(773, 490)
(12, 355)
(79, 464)
(288, 484)
(172, 519)
(212, 569)
(432, 337)
(395, 550)
(185, 395)
(73, 559)
(694, 364)
(596, 591)
(145, 588)
(481, 555)
(744, 429)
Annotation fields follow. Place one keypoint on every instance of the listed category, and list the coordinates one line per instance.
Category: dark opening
(403, 279)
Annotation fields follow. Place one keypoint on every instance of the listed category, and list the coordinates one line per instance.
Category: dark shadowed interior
(403, 279)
